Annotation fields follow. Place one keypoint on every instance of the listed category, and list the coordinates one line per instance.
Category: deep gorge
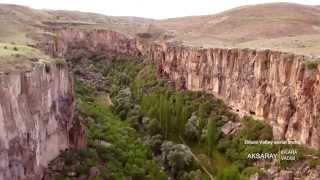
(277, 87)
(173, 95)
(257, 82)
(159, 119)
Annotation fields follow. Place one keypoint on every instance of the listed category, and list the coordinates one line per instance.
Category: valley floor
(140, 127)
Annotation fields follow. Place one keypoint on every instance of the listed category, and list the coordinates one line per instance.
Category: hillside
(89, 96)
(253, 26)
(23, 25)
(280, 26)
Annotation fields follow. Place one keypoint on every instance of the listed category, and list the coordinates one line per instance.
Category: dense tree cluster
(170, 120)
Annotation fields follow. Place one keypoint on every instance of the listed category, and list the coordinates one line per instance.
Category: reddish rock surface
(100, 42)
(271, 85)
(36, 115)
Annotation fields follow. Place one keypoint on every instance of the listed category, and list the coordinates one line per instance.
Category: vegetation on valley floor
(113, 146)
(152, 130)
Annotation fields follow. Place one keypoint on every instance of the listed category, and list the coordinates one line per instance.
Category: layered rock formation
(102, 42)
(36, 115)
(274, 86)
(270, 85)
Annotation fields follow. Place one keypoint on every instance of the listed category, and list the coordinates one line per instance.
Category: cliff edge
(278, 87)
(281, 88)
(36, 114)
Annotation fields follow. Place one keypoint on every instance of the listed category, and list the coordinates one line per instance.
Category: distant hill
(254, 26)
(282, 26)
(22, 24)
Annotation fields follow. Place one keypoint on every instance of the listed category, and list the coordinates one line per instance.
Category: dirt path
(198, 161)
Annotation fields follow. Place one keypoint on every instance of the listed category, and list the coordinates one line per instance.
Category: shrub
(153, 127)
(191, 130)
(224, 144)
(15, 48)
(134, 116)
(256, 130)
(154, 142)
(205, 109)
(314, 163)
(124, 79)
(234, 146)
(192, 175)
(133, 120)
(123, 103)
(312, 64)
(176, 157)
(60, 62)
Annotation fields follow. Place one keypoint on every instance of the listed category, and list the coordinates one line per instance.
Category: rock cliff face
(274, 86)
(102, 42)
(36, 115)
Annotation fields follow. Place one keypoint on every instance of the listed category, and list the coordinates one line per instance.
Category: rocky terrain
(36, 115)
(257, 72)
(281, 88)
(275, 86)
(37, 104)
(278, 26)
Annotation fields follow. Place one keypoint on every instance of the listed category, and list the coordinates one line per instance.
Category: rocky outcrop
(36, 115)
(274, 86)
(300, 170)
(102, 42)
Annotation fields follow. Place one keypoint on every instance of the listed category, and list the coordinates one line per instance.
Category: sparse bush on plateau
(312, 64)
(59, 62)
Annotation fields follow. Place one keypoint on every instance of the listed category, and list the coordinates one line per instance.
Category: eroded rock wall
(103, 42)
(36, 115)
(271, 85)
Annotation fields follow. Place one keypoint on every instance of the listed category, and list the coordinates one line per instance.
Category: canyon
(39, 118)
(274, 86)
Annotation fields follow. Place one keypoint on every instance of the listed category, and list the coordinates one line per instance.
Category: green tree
(179, 113)
(176, 157)
(212, 135)
(164, 114)
(192, 131)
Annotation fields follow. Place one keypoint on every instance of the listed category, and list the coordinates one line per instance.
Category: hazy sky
(157, 9)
